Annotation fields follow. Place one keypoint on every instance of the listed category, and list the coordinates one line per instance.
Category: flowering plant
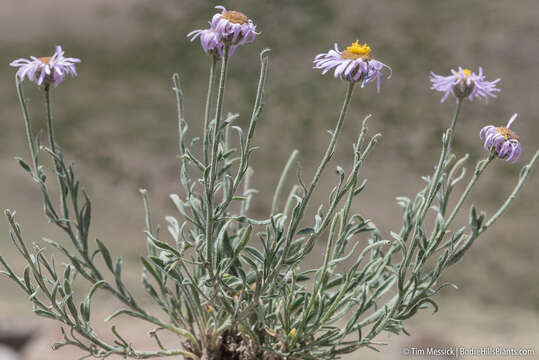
(235, 287)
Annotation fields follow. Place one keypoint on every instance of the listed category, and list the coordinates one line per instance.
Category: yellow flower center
(467, 72)
(507, 133)
(235, 17)
(357, 51)
(293, 332)
(45, 60)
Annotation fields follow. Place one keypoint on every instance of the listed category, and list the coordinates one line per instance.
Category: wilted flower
(211, 42)
(502, 140)
(464, 83)
(233, 27)
(46, 70)
(354, 64)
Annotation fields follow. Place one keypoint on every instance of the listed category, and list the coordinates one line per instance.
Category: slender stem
(329, 153)
(160, 353)
(211, 86)
(453, 125)
(318, 283)
(295, 222)
(57, 158)
(348, 204)
(181, 112)
(148, 221)
(523, 176)
(246, 187)
(439, 168)
(257, 110)
(49, 119)
(479, 170)
(282, 180)
(349, 187)
(210, 182)
(27, 123)
(432, 190)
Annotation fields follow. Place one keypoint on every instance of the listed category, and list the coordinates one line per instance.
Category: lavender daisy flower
(46, 70)
(464, 83)
(502, 140)
(211, 42)
(354, 64)
(233, 26)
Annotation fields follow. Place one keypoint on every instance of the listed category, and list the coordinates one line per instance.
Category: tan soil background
(117, 121)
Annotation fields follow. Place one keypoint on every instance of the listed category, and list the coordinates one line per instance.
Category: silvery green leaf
(71, 306)
(248, 260)
(173, 227)
(27, 282)
(105, 253)
(45, 313)
(164, 246)
(177, 202)
(305, 231)
(24, 165)
(360, 188)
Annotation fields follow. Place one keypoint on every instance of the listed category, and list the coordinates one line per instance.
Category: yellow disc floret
(357, 51)
(467, 72)
(507, 133)
(355, 48)
(235, 17)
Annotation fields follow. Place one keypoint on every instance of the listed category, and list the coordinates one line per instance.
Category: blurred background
(117, 121)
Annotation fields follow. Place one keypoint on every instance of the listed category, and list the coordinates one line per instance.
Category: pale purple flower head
(233, 27)
(354, 64)
(464, 83)
(46, 70)
(502, 141)
(211, 42)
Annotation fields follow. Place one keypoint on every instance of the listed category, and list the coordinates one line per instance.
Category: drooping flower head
(211, 42)
(233, 27)
(503, 141)
(46, 70)
(464, 83)
(355, 64)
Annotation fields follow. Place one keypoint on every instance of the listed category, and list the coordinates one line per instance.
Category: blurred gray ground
(117, 122)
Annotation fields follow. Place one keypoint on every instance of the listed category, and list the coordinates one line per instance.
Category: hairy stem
(439, 168)
(209, 98)
(282, 180)
(453, 125)
(181, 112)
(479, 170)
(27, 123)
(329, 153)
(215, 142)
(522, 179)
(62, 188)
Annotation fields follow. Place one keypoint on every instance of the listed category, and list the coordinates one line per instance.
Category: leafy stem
(209, 97)
(210, 179)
